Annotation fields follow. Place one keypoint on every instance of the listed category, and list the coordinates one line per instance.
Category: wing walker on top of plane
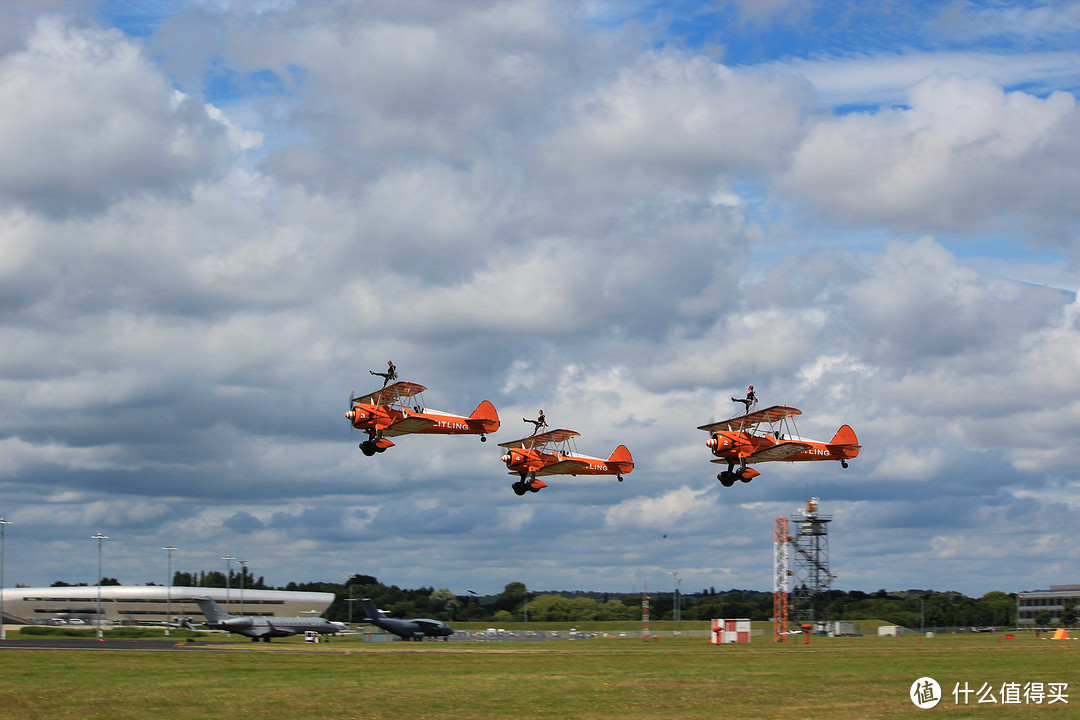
(769, 435)
(551, 453)
(398, 409)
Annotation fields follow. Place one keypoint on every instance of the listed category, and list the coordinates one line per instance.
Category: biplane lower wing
(778, 452)
(408, 425)
(563, 467)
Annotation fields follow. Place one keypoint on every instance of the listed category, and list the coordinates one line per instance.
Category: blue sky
(216, 217)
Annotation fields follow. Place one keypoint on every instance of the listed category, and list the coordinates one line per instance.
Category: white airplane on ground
(262, 628)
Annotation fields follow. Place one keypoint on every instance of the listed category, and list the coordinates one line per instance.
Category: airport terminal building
(1031, 602)
(149, 604)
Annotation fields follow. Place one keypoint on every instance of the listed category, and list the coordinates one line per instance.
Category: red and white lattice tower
(645, 612)
(780, 578)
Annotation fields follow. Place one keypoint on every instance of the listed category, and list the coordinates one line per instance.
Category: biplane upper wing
(743, 422)
(408, 425)
(535, 441)
(391, 394)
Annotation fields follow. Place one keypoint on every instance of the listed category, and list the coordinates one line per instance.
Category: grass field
(673, 678)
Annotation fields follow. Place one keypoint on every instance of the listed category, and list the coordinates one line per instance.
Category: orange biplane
(769, 435)
(551, 453)
(399, 410)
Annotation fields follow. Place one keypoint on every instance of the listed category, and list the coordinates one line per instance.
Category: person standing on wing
(750, 400)
(390, 374)
(539, 422)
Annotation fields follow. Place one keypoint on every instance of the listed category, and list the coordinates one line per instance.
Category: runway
(91, 644)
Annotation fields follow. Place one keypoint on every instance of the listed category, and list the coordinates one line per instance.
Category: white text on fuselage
(595, 466)
(449, 425)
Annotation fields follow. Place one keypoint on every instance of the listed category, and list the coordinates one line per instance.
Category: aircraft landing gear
(620, 477)
(523, 486)
(483, 438)
(731, 475)
(843, 464)
(372, 446)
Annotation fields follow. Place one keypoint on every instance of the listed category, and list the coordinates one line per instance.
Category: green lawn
(598, 678)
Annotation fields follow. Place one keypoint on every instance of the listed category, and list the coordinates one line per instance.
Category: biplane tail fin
(845, 437)
(621, 460)
(484, 418)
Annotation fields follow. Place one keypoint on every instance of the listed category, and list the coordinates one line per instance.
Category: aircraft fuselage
(522, 460)
(736, 446)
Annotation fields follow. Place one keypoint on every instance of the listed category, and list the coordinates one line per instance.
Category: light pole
(243, 572)
(228, 573)
(168, 589)
(3, 632)
(350, 600)
(99, 537)
(675, 624)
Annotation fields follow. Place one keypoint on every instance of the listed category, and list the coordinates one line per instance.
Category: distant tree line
(910, 608)
(216, 578)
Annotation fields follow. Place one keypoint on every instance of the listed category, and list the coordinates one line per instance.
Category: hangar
(148, 604)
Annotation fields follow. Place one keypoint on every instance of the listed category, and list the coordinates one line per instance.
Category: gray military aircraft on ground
(262, 628)
(415, 629)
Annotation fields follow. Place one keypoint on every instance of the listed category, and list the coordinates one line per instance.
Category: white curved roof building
(131, 604)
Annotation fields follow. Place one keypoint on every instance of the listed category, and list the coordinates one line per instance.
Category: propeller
(351, 414)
